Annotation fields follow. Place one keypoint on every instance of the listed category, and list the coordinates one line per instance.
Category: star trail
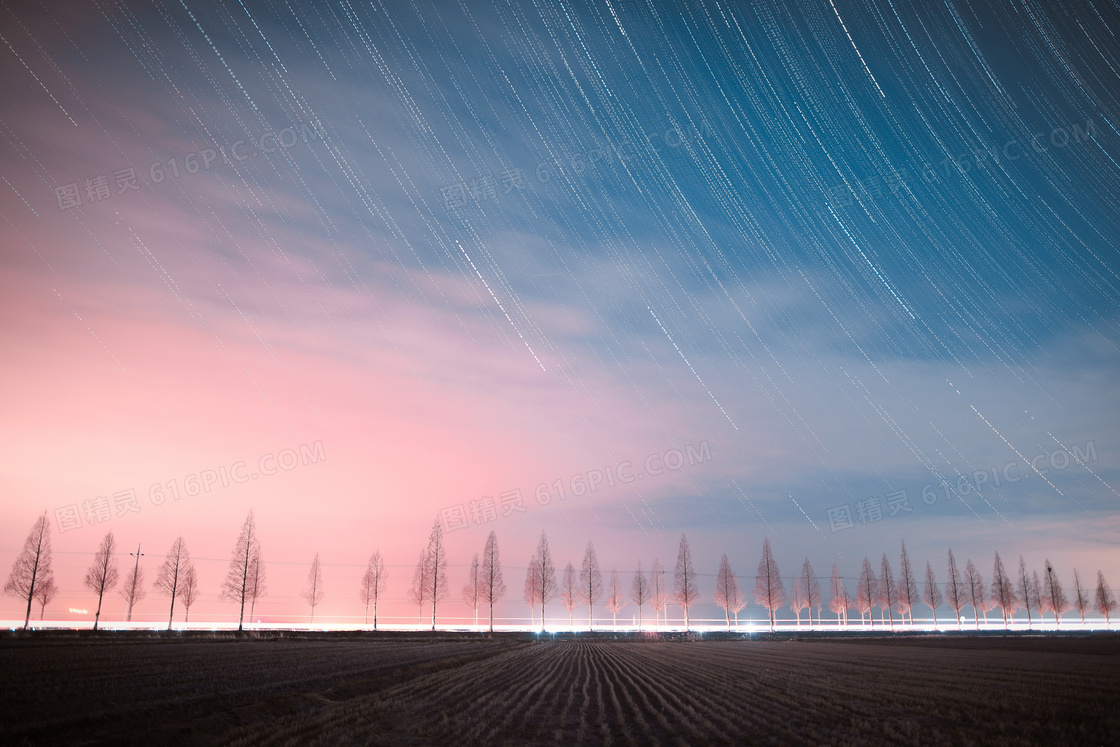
(481, 247)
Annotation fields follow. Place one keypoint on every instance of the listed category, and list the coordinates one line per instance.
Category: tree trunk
(31, 593)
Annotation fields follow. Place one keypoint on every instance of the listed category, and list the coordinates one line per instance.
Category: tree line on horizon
(32, 579)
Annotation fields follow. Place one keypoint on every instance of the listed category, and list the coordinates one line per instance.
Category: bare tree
(421, 586)
(1054, 598)
(237, 584)
(728, 595)
(44, 594)
(1036, 594)
(685, 589)
(1026, 593)
(569, 592)
(133, 589)
(955, 593)
(437, 568)
(169, 577)
(659, 593)
(533, 588)
(255, 588)
(1080, 596)
(639, 591)
(546, 575)
(812, 590)
(373, 585)
(768, 589)
(867, 592)
(931, 595)
(102, 576)
(472, 588)
(1106, 602)
(1003, 593)
(840, 601)
(907, 586)
(616, 600)
(797, 601)
(493, 586)
(189, 590)
(888, 592)
(314, 591)
(977, 595)
(32, 569)
(590, 582)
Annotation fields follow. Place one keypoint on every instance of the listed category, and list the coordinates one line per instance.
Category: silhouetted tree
(472, 588)
(545, 583)
(1080, 596)
(493, 586)
(888, 592)
(866, 592)
(169, 577)
(931, 595)
(421, 585)
(768, 589)
(44, 594)
(907, 586)
(32, 569)
(1054, 598)
(797, 601)
(659, 592)
(977, 595)
(373, 585)
(812, 590)
(840, 601)
(569, 592)
(237, 584)
(102, 576)
(532, 588)
(314, 591)
(728, 595)
(590, 582)
(1026, 592)
(1003, 593)
(955, 593)
(1036, 594)
(437, 568)
(1106, 602)
(256, 587)
(189, 590)
(133, 589)
(616, 600)
(685, 589)
(639, 591)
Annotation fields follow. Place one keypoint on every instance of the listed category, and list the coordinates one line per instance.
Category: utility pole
(135, 570)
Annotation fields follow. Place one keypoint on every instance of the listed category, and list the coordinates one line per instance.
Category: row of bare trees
(32, 579)
(1027, 591)
(1030, 592)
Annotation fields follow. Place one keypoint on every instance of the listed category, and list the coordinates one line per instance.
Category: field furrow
(582, 691)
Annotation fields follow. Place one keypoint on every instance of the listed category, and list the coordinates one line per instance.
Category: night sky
(414, 257)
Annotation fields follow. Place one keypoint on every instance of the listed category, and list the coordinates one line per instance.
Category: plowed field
(516, 691)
